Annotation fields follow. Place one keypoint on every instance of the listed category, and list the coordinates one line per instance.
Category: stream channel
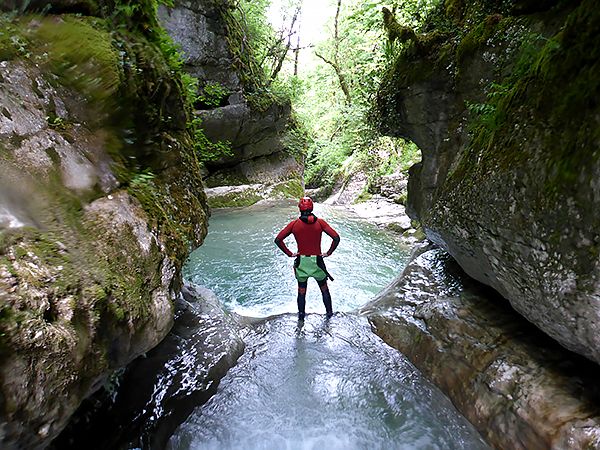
(320, 384)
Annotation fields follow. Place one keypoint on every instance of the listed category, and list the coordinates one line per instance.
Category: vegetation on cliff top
(338, 96)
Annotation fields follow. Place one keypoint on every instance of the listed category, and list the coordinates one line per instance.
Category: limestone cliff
(258, 132)
(501, 97)
(100, 203)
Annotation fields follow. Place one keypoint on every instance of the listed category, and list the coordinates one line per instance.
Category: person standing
(307, 231)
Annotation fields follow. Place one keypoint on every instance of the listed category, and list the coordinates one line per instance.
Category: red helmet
(306, 204)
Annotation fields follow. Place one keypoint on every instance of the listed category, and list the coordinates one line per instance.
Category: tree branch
(340, 75)
(283, 54)
(334, 62)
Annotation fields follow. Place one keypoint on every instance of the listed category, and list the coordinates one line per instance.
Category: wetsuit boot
(301, 299)
(326, 298)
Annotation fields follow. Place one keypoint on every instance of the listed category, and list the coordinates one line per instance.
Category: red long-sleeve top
(308, 236)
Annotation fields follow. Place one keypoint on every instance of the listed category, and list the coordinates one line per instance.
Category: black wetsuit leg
(326, 297)
(301, 298)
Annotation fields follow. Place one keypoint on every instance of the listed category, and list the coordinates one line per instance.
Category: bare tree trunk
(334, 62)
(296, 56)
(283, 54)
(341, 77)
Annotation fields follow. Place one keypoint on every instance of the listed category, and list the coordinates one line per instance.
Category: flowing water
(318, 384)
(242, 265)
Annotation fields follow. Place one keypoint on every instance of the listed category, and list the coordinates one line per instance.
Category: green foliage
(205, 149)
(297, 138)
(55, 122)
(343, 138)
(212, 94)
(246, 26)
(190, 87)
(256, 47)
(12, 41)
(389, 155)
(142, 179)
(138, 16)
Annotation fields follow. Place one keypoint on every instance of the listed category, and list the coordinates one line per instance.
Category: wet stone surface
(159, 390)
(323, 384)
(520, 388)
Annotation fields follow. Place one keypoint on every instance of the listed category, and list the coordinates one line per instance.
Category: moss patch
(479, 36)
(552, 84)
(12, 41)
(364, 196)
(289, 189)
(226, 178)
(79, 51)
(247, 197)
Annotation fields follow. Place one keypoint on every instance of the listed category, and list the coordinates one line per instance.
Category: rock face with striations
(100, 201)
(520, 388)
(505, 111)
(259, 136)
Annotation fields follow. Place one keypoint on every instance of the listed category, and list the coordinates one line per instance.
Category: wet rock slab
(383, 212)
(521, 389)
(323, 384)
(158, 392)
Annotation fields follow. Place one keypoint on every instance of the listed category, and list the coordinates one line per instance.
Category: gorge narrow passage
(324, 383)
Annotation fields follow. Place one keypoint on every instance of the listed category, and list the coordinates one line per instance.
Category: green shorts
(306, 267)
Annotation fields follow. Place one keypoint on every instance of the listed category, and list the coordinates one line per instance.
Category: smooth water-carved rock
(249, 194)
(509, 182)
(159, 390)
(252, 133)
(269, 169)
(517, 386)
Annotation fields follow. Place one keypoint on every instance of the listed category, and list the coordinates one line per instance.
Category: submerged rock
(159, 390)
(517, 386)
(509, 184)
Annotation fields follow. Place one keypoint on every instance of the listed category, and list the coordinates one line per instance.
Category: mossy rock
(364, 196)
(246, 197)
(79, 51)
(12, 41)
(401, 199)
(291, 189)
(89, 287)
(231, 177)
(480, 35)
